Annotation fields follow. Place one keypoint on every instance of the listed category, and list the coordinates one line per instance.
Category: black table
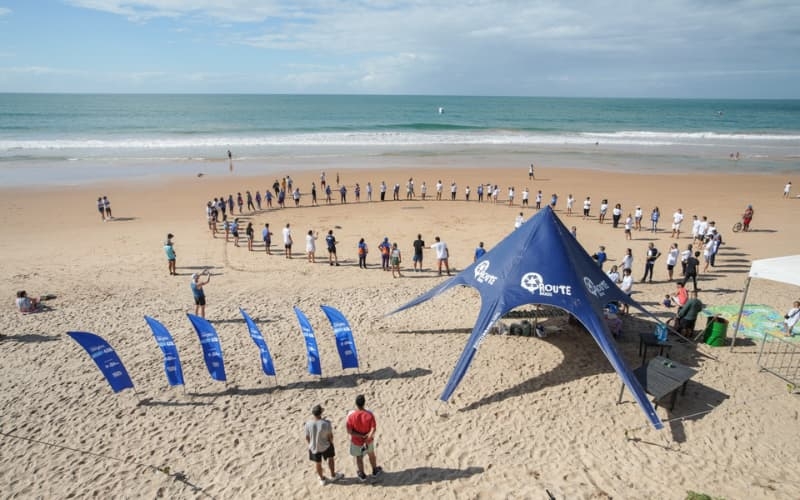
(661, 377)
(647, 339)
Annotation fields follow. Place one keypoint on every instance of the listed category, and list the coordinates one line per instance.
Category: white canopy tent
(780, 269)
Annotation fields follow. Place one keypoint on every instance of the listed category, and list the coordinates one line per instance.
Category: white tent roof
(782, 269)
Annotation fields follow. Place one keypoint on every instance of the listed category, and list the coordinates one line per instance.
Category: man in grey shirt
(319, 436)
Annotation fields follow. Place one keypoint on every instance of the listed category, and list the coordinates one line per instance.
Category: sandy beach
(530, 415)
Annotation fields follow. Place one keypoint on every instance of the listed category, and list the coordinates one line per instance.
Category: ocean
(73, 138)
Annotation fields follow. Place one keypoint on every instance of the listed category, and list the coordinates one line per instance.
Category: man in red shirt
(361, 427)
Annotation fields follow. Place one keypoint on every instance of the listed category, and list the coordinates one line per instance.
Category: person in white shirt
(627, 287)
(628, 227)
(287, 242)
(442, 254)
(791, 318)
(685, 258)
(519, 221)
(311, 245)
(453, 189)
(702, 229)
(627, 261)
(695, 227)
(439, 189)
(786, 189)
(587, 205)
(510, 196)
(570, 202)
(672, 259)
(677, 218)
(637, 218)
(613, 274)
(525, 195)
(423, 190)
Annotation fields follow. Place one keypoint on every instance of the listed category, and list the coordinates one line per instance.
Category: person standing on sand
(107, 208)
(626, 286)
(361, 427)
(628, 227)
(442, 255)
(383, 190)
(650, 262)
(311, 246)
(319, 437)
(171, 256)
(363, 250)
(786, 189)
(235, 232)
(249, 197)
(101, 208)
(385, 248)
(369, 191)
(672, 259)
(587, 206)
(637, 218)
(692, 265)
(616, 215)
(287, 241)
(251, 235)
(654, 216)
(266, 235)
(396, 259)
(199, 294)
(530, 172)
(570, 202)
(479, 252)
(419, 245)
(677, 218)
(330, 241)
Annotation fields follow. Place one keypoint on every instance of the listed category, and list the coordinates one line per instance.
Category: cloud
(527, 47)
(4, 11)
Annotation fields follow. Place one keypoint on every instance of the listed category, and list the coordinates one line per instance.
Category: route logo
(535, 283)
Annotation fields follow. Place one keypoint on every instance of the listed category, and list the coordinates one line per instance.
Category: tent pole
(741, 310)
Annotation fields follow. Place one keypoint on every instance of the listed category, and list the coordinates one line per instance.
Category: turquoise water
(74, 134)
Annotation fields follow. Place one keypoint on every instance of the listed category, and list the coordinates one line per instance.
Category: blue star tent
(541, 263)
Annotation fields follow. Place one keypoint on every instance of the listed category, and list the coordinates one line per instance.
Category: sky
(623, 48)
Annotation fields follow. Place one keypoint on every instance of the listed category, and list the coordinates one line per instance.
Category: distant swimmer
(230, 155)
(441, 110)
(230, 161)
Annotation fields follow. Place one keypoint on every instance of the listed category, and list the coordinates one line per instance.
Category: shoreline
(50, 175)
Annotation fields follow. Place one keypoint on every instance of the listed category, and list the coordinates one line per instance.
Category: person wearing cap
(199, 294)
(361, 427)
(171, 256)
(319, 437)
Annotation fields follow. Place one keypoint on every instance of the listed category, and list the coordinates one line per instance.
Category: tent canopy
(541, 263)
(781, 269)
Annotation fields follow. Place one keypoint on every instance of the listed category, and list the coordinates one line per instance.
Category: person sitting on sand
(789, 320)
(26, 304)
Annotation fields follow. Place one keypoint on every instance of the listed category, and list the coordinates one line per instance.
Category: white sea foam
(389, 139)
